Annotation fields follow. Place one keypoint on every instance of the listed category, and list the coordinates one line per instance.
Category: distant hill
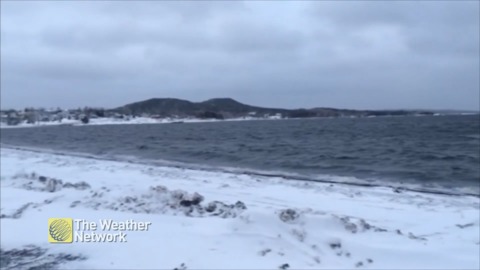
(212, 108)
(159, 106)
(229, 108)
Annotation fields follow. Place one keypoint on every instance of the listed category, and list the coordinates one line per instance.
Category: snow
(258, 222)
(136, 120)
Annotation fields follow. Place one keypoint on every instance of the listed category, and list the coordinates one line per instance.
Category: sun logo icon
(60, 230)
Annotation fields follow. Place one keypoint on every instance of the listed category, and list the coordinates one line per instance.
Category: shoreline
(269, 221)
(347, 181)
(145, 120)
(134, 121)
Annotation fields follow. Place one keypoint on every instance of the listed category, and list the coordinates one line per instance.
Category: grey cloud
(185, 10)
(245, 36)
(235, 37)
(428, 26)
(115, 36)
(368, 54)
(406, 13)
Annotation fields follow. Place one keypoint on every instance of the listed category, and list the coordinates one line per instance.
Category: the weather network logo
(60, 230)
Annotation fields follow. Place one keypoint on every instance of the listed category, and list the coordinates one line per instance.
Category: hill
(221, 108)
(212, 108)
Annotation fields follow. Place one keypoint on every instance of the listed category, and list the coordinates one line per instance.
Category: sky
(289, 54)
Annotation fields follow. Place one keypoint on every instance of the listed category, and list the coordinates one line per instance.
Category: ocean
(427, 151)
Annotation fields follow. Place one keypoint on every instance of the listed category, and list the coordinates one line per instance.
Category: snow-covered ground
(219, 220)
(136, 120)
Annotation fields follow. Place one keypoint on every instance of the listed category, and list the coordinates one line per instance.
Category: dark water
(442, 150)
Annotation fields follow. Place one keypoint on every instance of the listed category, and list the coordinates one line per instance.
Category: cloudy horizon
(352, 55)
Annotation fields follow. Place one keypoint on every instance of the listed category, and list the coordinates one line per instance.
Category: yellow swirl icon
(60, 230)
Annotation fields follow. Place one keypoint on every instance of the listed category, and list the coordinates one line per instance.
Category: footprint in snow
(265, 252)
(181, 267)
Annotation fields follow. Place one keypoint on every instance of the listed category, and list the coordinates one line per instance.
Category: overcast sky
(361, 55)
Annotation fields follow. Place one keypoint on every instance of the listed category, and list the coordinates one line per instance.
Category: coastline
(375, 226)
(146, 120)
(134, 121)
(324, 179)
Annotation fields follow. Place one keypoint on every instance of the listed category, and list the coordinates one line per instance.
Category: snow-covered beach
(220, 220)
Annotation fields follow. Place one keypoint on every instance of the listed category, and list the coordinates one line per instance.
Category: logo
(60, 230)
(69, 230)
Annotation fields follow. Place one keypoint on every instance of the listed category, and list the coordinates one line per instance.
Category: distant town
(176, 110)
(36, 115)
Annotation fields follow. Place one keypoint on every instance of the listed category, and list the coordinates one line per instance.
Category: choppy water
(424, 150)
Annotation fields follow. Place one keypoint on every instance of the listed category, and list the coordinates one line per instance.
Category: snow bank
(219, 220)
(136, 120)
